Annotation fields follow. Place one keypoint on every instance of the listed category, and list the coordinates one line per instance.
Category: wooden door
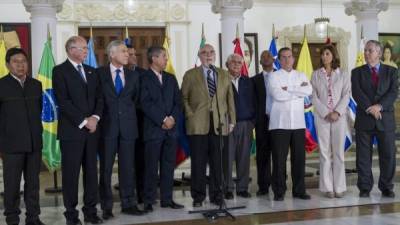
(141, 39)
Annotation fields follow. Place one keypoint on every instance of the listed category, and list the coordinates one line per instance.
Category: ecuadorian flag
(51, 154)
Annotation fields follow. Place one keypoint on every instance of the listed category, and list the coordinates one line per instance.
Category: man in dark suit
(374, 88)
(263, 155)
(78, 93)
(161, 103)
(139, 147)
(20, 137)
(118, 129)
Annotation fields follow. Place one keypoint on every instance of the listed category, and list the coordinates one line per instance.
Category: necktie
(375, 77)
(81, 73)
(118, 82)
(211, 84)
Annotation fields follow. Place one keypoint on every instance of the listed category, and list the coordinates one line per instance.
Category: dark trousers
(206, 149)
(126, 172)
(160, 152)
(263, 159)
(387, 159)
(74, 154)
(281, 140)
(14, 165)
(139, 168)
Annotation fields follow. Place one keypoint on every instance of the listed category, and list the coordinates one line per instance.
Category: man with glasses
(374, 87)
(207, 100)
(80, 106)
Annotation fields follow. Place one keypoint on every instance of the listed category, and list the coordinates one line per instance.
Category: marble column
(231, 17)
(366, 13)
(43, 15)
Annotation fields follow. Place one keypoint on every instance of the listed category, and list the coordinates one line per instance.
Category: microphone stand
(222, 210)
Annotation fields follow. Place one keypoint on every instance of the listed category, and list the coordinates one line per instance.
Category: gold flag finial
(202, 30)
(237, 31)
(126, 31)
(273, 31)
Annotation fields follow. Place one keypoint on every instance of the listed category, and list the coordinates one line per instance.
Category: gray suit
(365, 94)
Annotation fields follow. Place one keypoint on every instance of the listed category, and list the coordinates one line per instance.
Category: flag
(127, 40)
(274, 52)
(170, 68)
(51, 154)
(91, 57)
(3, 51)
(238, 50)
(304, 65)
(182, 151)
(202, 43)
(360, 54)
(351, 114)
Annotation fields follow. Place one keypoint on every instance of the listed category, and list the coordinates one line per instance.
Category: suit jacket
(119, 115)
(76, 99)
(341, 91)
(260, 98)
(197, 102)
(366, 95)
(20, 115)
(159, 101)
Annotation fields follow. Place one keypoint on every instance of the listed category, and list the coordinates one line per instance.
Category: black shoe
(148, 208)
(74, 222)
(107, 214)
(303, 196)
(364, 194)
(229, 195)
(388, 194)
(243, 194)
(279, 197)
(35, 222)
(262, 192)
(197, 204)
(93, 219)
(134, 210)
(172, 205)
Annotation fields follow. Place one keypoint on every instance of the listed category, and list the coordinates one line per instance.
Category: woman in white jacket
(331, 95)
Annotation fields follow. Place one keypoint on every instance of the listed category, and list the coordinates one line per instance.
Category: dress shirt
(158, 74)
(212, 74)
(287, 108)
(235, 82)
(76, 67)
(21, 82)
(114, 74)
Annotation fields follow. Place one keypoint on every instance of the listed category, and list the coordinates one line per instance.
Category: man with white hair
(80, 107)
(240, 137)
(118, 129)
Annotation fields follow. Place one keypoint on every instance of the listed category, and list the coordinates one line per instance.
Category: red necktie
(375, 77)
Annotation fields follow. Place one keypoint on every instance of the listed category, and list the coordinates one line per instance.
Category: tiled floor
(259, 210)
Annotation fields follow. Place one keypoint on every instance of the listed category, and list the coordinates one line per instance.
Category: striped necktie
(211, 84)
(80, 72)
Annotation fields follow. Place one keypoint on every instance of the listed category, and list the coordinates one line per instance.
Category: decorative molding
(354, 7)
(146, 11)
(294, 34)
(57, 4)
(218, 5)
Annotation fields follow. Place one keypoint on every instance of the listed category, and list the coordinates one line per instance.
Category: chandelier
(321, 25)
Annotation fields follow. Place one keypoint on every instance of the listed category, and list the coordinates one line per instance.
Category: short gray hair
(377, 44)
(231, 57)
(111, 47)
(72, 40)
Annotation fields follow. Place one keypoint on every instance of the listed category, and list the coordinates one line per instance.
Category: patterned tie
(375, 77)
(211, 84)
(81, 73)
(118, 82)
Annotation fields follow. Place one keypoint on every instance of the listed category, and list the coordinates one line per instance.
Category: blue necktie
(118, 82)
(81, 73)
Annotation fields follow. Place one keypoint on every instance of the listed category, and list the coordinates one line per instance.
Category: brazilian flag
(51, 154)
